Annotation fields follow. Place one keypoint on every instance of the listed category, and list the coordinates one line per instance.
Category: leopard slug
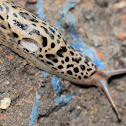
(45, 48)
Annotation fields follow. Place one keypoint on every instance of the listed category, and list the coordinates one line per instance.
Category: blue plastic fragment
(56, 82)
(63, 99)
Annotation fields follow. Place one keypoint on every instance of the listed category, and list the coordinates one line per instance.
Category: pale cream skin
(44, 47)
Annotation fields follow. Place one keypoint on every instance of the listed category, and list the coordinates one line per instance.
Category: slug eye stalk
(101, 80)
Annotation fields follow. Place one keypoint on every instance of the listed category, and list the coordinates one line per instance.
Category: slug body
(44, 47)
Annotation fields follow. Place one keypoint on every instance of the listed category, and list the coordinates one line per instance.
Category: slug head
(100, 79)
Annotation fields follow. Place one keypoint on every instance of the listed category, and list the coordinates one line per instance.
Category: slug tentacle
(100, 79)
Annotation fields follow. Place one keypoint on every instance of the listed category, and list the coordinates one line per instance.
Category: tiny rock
(5, 103)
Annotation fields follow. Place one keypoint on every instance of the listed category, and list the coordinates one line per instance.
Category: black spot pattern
(44, 23)
(59, 36)
(40, 49)
(70, 65)
(52, 30)
(2, 26)
(44, 43)
(1, 17)
(67, 59)
(60, 66)
(85, 76)
(52, 45)
(14, 7)
(82, 67)
(34, 20)
(40, 56)
(72, 53)
(49, 63)
(61, 51)
(55, 60)
(23, 14)
(58, 41)
(50, 56)
(46, 31)
(15, 35)
(89, 69)
(20, 25)
(76, 70)
(79, 77)
(14, 14)
(69, 72)
(26, 50)
(77, 60)
(7, 17)
(34, 25)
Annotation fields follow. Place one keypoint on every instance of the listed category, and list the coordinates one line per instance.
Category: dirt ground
(103, 21)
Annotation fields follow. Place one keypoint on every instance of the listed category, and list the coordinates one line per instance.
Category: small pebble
(5, 103)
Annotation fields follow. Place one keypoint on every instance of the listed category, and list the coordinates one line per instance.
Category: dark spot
(58, 41)
(77, 60)
(62, 62)
(36, 31)
(50, 56)
(82, 67)
(45, 50)
(14, 7)
(44, 23)
(71, 53)
(34, 25)
(44, 43)
(34, 20)
(2, 26)
(85, 76)
(62, 72)
(76, 70)
(52, 45)
(69, 72)
(64, 40)
(67, 59)
(40, 56)
(46, 31)
(42, 60)
(79, 77)
(54, 68)
(34, 16)
(70, 65)
(59, 36)
(60, 66)
(7, 8)
(1, 17)
(23, 14)
(19, 25)
(81, 73)
(14, 14)
(15, 35)
(1, 8)
(55, 60)
(7, 16)
(26, 50)
(51, 36)
(40, 49)
(89, 69)
(52, 30)
(61, 51)
(49, 63)
(19, 41)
